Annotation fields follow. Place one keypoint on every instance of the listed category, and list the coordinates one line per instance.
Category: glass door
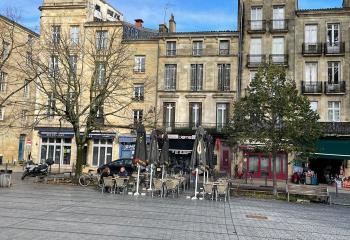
(255, 51)
(256, 18)
(333, 44)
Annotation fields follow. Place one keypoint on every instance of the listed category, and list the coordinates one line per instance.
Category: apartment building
(16, 112)
(312, 44)
(196, 86)
(94, 25)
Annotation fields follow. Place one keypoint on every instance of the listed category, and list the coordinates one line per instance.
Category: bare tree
(83, 80)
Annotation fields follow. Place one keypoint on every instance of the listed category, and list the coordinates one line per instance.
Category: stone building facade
(16, 113)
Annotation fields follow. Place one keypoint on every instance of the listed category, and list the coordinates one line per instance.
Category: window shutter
(173, 115)
(200, 114)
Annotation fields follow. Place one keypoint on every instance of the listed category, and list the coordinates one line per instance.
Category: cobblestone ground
(39, 211)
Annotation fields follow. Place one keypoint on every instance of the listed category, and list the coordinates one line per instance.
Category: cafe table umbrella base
(150, 179)
(196, 187)
(137, 193)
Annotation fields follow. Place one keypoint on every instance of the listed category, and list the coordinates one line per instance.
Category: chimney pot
(138, 23)
(172, 24)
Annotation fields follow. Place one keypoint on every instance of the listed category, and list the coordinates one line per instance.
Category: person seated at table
(122, 172)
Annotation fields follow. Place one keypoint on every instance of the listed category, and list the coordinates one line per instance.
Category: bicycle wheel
(84, 180)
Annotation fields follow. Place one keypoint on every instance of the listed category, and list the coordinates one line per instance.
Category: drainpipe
(240, 47)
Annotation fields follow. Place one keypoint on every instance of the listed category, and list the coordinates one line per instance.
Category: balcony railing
(279, 59)
(254, 60)
(256, 26)
(336, 128)
(187, 127)
(197, 51)
(334, 48)
(171, 52)
(312, 49)
(279, 25)
(335, 88)
(311, 87)
(224, 52)
(204, 52)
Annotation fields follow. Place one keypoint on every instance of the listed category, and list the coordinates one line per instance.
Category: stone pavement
(40, 211)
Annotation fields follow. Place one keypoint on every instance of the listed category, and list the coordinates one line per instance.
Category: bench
(308, 190)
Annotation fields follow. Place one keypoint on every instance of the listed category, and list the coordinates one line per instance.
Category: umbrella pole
(151, 178)
(195, 186)
(138, 181)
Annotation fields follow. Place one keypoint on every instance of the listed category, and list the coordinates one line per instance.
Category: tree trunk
(79, 162)
(274, 176)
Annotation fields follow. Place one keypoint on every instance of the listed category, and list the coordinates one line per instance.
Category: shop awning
(333, 149)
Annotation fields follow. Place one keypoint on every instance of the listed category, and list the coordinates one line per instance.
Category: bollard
(336, 188)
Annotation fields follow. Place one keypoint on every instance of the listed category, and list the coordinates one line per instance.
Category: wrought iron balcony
(312, 49)
(280, 25)
(256, 26)
(190, 128)
(335, 88)
(255, 60)
(171, 53)
(334, 48)
(279, 59)
(311, 87)
(336, 128)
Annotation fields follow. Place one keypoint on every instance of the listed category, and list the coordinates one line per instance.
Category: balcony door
(311, 37)
(311, 73)
(333, 39)
(278, 17)
(278, 50)
(255, 50)
(256, 18)
(333, 73)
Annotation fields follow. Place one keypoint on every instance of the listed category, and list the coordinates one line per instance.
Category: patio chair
(108, 182)
(222, 190)
(209, 190)
(158, 187)
(120, 185)
(172, 185)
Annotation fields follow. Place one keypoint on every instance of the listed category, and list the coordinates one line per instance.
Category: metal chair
(222, 190)
(120, 184)
(108, 182)
(172, 186)
(158, 187)
(209, 190)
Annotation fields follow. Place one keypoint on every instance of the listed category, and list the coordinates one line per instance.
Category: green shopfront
(331, 158)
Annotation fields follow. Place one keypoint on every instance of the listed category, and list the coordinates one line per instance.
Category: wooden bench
(308, 190)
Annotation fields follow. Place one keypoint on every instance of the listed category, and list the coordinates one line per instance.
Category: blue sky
(190, 15)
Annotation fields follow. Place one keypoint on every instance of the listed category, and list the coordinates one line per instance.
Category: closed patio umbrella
(210, 152)
(164, 155)
(198, 157)
(153, 154)
(140, 155)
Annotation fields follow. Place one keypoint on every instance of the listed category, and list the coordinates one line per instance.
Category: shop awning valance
(333, 149)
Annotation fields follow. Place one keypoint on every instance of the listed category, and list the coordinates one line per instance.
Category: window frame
(140, 64)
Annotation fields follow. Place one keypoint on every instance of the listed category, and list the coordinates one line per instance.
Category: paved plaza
(41, 211)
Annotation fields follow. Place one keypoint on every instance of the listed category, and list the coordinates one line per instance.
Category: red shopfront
(258, 163)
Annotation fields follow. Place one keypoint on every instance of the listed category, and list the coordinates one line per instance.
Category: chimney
(163, 28)
(346, 3)
(138, 23)
(172, 24)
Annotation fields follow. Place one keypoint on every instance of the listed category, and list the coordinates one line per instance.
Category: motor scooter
(34, 170)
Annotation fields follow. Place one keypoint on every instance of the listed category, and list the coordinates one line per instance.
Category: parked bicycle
(90, 178)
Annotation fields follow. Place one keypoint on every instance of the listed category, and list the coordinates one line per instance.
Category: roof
(199, 33)
(19, 25)
(323, 10)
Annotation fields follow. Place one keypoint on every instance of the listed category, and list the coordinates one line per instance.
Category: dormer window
(98, 8)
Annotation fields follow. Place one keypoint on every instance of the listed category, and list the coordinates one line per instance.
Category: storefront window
(253, 163)
(51, 149)
(264, 164)
(102, 152)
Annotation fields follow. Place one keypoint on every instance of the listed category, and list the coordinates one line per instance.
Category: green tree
(275, 116)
